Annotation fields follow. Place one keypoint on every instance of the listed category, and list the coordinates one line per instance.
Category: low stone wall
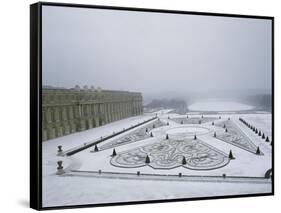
(79, 149)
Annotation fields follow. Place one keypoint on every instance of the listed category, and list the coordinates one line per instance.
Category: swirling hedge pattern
(169, 154)
(236, 137)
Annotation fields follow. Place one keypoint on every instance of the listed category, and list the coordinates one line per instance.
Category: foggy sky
(153, 53)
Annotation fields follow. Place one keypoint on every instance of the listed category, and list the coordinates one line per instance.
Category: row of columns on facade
(85, 120)
(62, 113)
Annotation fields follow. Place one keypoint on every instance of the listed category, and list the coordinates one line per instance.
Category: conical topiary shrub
(183, 160)
(263, 136)
(113, 153)
(258, 152)
(230, 156)
(96, 148)
(267, 139)
(224, 126)
(215, 134)
(256, 131)
(259, 133)
(195, 138)
(151, 134)
(226, 130)
(147, 159)
(167, 136)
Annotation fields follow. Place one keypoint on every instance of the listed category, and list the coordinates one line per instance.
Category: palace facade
(65, 111)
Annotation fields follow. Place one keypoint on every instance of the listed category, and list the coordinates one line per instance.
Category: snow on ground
(79, 138)
(163, 111)
(218, 106)
(187, 130)
(252, 165)
(49, 148)
(83, 190)
(75, 190)
(263, 122)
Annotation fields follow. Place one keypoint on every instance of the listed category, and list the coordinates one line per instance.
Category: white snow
(80, 138)
(75, 190)
(186, 130)
(83, 190)
(213, 105)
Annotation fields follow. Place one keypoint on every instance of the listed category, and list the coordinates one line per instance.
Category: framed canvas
(134, 105)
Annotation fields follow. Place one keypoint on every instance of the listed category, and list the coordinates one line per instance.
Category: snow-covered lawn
(262, 122)
(82, 190)
(71, 189)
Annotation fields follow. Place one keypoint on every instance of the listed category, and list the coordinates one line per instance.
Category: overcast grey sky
(154, 52)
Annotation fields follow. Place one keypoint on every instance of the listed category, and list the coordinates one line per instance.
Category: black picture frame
(36, 102)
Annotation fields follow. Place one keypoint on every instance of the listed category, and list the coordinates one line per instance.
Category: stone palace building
(65, 111)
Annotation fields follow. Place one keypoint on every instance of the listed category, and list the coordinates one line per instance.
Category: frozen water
(218, 106)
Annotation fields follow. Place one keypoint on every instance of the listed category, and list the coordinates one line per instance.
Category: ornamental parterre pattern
(137, 135)
(194, 120)
(169, 154)
(235, 136)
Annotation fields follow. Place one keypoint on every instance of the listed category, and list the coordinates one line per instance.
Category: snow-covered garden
(171, 156)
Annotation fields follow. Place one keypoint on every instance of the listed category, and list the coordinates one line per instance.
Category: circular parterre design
(187, 131)
(169, 154)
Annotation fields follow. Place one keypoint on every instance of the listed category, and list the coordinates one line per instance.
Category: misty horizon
(156, 54)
